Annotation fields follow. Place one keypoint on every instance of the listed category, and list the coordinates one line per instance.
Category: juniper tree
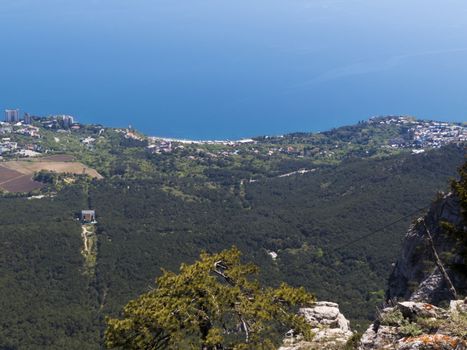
(214, 303)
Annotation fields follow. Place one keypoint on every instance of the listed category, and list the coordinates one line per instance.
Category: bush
(410, 329)
(393, 317)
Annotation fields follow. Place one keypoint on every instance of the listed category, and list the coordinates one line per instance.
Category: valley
(288, 212)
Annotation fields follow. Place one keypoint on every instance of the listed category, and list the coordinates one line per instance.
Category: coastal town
(22, 137)
(424, 134)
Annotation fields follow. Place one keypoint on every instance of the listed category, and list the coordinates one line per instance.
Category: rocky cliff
(426, 305)
(417, 276)
(431, 272)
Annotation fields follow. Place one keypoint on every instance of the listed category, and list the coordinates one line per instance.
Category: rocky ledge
(331, 329)
(418, 326)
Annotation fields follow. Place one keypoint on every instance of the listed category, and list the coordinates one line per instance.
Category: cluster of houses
(425, 134)
(438, 134)
(417, 136)
(19, 128)
(15, 125)
(88, 140)
(28, 130)
(7, 146)
(129, 133)
(5, 128)
(60, 122)
(11, 147)
(158, 146)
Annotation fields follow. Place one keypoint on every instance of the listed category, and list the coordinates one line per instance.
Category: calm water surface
(230, 69)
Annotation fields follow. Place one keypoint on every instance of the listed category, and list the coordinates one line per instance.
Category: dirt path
(84, 235)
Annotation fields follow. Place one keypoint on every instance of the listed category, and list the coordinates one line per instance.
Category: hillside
(303, 219)
(156, 209)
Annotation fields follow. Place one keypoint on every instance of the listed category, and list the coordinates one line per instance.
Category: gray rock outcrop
(331, 329)
(418, 326)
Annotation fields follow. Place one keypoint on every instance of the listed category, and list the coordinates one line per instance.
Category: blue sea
(216, 69)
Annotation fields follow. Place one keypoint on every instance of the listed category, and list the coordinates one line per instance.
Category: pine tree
(215, 303)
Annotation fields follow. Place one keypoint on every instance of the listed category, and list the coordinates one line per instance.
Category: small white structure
(273, 255)
(88, 216)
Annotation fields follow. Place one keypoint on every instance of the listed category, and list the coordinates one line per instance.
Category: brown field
(14, 181)
(7, 174)
(16, 176)
(59, 158)
(30, 167)
(23, 183)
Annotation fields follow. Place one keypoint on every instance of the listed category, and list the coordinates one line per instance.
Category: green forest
(156, 211)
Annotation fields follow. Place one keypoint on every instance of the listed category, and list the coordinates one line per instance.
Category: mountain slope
(46, 300)
(302, 218)
(155, 212)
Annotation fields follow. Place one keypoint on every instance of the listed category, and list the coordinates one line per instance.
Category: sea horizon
(151, 131)
(232, 70)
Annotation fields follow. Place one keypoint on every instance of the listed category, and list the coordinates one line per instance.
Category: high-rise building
(27, 118)
(12, 115)
(67, 121)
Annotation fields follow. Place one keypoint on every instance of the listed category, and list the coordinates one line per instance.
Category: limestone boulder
(331, 328)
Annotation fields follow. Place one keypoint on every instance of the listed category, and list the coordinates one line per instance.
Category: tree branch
(438, 261)
(218, 269)
(247, 332)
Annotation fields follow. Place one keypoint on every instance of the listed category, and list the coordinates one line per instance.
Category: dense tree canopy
(215, 303)
(160, 209)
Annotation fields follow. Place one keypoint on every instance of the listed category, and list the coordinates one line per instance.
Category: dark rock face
(416, 276)
(432, 264)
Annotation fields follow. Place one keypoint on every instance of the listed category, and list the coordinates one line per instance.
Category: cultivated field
(59, 158)
(16, 176)
(30, 167)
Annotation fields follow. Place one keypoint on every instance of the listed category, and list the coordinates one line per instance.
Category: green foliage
(353, 342)
(429, 324)
(46, 300)
(457, 324)
(212, 304)
(454, 325)
(46, 177)
(158, 210)
(143, 226)
(393, 318)
(410, 329)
